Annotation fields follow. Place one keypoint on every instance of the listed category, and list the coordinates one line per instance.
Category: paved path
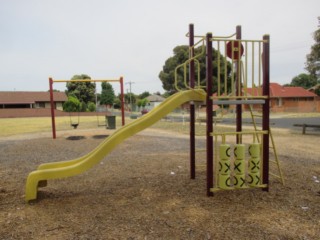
(280, 122)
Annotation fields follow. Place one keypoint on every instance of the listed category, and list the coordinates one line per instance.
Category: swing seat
(74, 125)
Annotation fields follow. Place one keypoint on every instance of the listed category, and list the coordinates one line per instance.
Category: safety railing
(186, 63)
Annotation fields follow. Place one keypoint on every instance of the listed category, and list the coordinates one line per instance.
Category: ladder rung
(201, 150)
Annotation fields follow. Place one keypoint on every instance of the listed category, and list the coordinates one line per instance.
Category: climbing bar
(238, 40)
(216, 189)
(201, 150)
(239, 97)
(223, 37)
(238, 102)
(238, 133)
(88, 80)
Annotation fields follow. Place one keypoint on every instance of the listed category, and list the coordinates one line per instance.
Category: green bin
(111, 122)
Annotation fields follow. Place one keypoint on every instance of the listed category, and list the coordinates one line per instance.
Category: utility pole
(130, 103)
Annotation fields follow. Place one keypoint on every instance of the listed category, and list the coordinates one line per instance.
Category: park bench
(304, 126)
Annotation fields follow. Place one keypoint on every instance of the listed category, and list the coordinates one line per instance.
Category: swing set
(75, 124)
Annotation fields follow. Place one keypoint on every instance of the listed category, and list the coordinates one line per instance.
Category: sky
(106, 39)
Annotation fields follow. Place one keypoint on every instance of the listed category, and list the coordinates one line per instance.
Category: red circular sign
(234, 51)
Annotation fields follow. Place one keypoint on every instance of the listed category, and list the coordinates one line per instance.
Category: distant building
(290, 99)
(27, 104)
(31, 99)
(155, 100)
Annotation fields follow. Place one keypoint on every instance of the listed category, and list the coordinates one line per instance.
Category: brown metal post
(238, 86)
(192, 108)
(266, 109)
(53, 122)
(209, 114)
(122, 101)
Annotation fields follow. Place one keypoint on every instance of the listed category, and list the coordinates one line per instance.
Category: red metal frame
(238, 89)
(53, 122)
(209, 109)
(192, 108)
(266, 108)
(122, 101)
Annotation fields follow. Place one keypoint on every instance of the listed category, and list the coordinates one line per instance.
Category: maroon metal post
(122, 101)
(209, 114)
(53, 122)
(192, 108)
(266, 108)
(238, 86)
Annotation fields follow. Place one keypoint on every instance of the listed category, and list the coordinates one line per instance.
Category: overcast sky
(108, 39)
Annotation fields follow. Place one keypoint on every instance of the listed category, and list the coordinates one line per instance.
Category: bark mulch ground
(142, 190)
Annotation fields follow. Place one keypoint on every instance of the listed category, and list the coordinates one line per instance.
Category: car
(144, 111)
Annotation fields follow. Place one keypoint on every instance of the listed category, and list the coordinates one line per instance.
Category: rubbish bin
(111, 122)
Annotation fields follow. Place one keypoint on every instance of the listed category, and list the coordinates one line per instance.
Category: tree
(144, 95)
(142, 102)
(303, 80)
(313, 58)
(91, 107)
(72, 105)
(107, 94)
(130, 98)
(84, 91)
(181, 55)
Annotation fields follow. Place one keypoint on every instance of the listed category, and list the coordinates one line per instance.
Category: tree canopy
(181, 55)
(72, 105)
(144, 95)
(313, 58)
(303, 80)
(84, 91)
(107, 96)
(306, 80)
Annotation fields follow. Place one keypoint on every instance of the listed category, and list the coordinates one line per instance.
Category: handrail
(184, 65)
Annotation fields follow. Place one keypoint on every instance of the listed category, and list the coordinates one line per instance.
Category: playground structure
(75, 125)
(241, 164)
(250, 68)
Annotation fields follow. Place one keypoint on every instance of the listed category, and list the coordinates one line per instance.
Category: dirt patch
(142, 190)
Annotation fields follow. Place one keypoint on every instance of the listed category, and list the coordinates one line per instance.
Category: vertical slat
(209, 102)
(265, 119)
(192, 108)
(238, 86)
(53, 121)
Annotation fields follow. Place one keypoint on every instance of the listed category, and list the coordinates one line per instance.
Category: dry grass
(14, 126)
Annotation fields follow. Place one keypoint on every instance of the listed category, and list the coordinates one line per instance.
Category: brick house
(291, 99)
(28, 104)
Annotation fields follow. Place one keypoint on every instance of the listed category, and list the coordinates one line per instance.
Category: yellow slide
(74, 167)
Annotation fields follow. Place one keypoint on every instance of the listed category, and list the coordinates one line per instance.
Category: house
(27, 104)
(290, 99)
(31, 99)
(154, 100)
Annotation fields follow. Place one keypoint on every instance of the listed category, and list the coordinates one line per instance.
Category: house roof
(155, 98)
(276, 90)
(30, 97)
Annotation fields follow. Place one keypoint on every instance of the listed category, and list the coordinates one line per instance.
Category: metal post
(53, 122)
(209, 114)
(192, 109)
(266, 108)
(122, 101)
(238, 86)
